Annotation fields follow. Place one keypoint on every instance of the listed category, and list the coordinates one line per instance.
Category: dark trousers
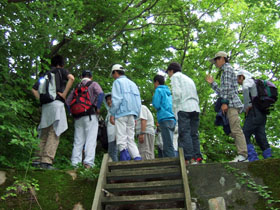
(255, 124)
(188, 123)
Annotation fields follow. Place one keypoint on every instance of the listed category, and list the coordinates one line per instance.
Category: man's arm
(35, 93)
(69, 84)
(156, 100)
(143, 130)
(116, 98)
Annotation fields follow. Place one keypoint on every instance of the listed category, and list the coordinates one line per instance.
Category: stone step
(143, 199)
(139, 186)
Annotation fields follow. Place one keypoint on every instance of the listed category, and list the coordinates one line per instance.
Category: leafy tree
(142, 35)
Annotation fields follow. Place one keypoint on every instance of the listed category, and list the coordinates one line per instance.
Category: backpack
(267, 95)
(102, 134)
(81, 104)
(49, 84)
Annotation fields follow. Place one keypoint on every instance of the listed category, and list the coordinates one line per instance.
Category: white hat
(218, 54)
(117, 67)
(245, 73)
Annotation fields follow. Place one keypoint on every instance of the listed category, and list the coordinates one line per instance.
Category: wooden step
(169, 209)
(143, 163)
(139, 186)
(147, 168)
(144, 174)
(118, 200)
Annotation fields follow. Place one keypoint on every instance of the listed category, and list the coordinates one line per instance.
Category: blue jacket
(162, 101)
(125, 98)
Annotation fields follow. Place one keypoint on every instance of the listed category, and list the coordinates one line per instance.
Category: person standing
(145, 132)
(126, 106)
(162, 101)
(53, 118)
(86, 126)
(231, 103)
(186, 109)
(255, 120)
(111, 130)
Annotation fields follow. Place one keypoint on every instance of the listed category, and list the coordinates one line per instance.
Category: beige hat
(218, 54)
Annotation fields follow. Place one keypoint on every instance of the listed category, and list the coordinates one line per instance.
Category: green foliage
(144, 36)
(262, 190)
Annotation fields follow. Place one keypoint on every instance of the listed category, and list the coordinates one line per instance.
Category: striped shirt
(228, 89)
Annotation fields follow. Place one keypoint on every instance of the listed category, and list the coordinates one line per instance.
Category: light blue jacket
(125, 98)
(162, 101)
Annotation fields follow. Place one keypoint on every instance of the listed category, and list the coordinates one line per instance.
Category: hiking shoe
(196, 161)
(36, 164)
(239, 158)
(47, 166)
(87, 166)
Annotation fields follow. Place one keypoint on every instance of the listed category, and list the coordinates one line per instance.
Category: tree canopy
(144, 36)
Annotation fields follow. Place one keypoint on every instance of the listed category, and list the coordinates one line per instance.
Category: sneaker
(195, 161)
(47, 166)
(239, 158)
(87, 166)
(36, 164)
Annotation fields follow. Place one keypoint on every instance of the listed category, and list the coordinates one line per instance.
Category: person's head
(57, 61)
(220, 59)
(108, 99)
(240, 77)
(158, 80)
(117, 71)
(87, 74)
(173, 68)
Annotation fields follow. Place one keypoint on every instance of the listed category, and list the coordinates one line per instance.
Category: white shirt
(145, 114)
(184, 94)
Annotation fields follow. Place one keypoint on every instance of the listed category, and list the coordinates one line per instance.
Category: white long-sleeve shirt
(184, 94)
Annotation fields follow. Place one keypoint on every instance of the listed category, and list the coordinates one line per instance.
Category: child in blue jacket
(162, 101)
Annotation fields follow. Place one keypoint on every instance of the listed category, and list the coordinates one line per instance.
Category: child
(162, 101)
(111, 132)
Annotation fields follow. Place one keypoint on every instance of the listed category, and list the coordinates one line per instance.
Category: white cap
(117, 67)
(218, 54)
(245, 73)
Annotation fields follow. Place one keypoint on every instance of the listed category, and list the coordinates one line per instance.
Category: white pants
(125, 135)
(85, 137)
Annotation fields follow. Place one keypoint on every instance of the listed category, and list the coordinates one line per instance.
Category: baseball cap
(117, 67)
(218, 54)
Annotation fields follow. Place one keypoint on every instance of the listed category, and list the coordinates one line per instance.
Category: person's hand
(62, 95)
(248, 109)
(97, 111)
(224, 108)
(112, 120)
(141, 138)
(209, 79)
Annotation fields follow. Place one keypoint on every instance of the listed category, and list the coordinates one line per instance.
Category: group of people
(177, 116)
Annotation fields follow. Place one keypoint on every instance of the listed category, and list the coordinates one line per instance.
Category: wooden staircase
(146, 184)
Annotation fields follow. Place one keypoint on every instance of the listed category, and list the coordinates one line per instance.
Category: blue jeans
(188, 123)
(167, 128)
(255, 124)
(113, 150)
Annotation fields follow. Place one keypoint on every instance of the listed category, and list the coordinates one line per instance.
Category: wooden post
(100, 183)
(188, 202)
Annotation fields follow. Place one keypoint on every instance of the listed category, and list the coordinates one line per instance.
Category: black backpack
(267, 95)
(49, 84)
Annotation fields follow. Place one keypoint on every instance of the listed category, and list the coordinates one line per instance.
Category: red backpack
(80, 104)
